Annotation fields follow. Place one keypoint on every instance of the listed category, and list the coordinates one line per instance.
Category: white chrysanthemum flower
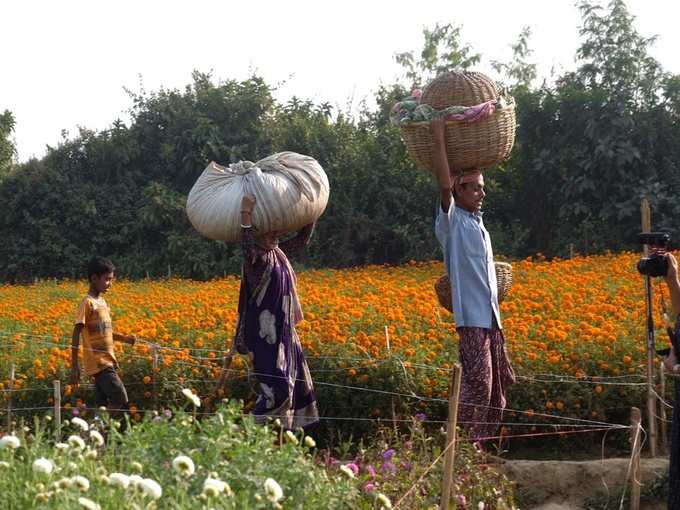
(81, 483)
(151, 488)
(91, 454)
(137, 467)
(273, 490)
(481, 505)
(61, 447)
(213, 487)
(119, 480)
(11, 442)
(347, 471)
(4, 464)
(227, 490)
(88, 504)
(183, 465)
(43, 466)
(384, 500)
(191, 397)
(96, 437)
(64, 483)
(42, 497)
(310, 442)
(76, 442)
(136, 481)
(80, 423)
(292, 438)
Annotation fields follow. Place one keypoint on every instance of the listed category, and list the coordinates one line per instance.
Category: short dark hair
(98, 266)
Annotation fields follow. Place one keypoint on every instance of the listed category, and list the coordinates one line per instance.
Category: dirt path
(566, 485)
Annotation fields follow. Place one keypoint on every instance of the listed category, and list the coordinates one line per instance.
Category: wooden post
(154, 352)
(57, 408)
(571, 250)
(635, 419)
(662, 408)
(387, 341)
(646, 215)
(450, 454)
(9, 399)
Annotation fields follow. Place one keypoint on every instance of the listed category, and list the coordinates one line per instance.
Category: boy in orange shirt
(93, 322)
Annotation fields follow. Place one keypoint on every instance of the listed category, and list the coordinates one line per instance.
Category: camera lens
(656, 265)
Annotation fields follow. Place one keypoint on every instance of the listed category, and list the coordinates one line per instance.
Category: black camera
(657, 263)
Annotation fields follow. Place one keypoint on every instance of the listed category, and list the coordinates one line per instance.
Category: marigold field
(573, 328)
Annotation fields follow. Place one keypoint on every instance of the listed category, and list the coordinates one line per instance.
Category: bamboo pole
(646, 215)
(57, 408)
(450, 454)
(635, 419)
(662, 408)
(9, 399)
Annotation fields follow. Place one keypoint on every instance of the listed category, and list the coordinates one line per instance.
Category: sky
(67, 64)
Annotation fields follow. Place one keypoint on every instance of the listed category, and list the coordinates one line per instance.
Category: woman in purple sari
(268, 311)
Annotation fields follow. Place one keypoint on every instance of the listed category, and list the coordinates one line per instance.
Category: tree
(442, 51)
(7, 148)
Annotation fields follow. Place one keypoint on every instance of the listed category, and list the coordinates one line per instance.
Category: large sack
(291, 191)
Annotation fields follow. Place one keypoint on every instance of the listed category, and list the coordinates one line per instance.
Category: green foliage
(7, 148)
(442, 51)
(589, 146)
(228, 447)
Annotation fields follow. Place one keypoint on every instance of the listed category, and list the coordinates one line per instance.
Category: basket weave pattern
(474, 145)
(442, 286)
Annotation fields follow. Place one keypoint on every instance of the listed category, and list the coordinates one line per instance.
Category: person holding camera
(468, 257)
(672, 366)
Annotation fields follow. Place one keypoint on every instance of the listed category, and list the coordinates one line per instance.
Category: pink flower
(353, 467)
(369, 487)
(461, 501)
(416, 93)
(371, 470)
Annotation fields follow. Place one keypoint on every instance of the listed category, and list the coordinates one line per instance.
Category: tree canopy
(590, 144)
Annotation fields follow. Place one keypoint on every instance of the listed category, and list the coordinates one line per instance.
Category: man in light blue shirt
(468, 258)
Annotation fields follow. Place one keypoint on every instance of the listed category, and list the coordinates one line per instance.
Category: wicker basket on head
(503, 280)
(473, 145)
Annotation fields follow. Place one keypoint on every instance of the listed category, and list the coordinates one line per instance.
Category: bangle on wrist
(245, 226)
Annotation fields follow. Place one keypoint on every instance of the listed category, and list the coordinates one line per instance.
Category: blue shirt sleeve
(442, 225)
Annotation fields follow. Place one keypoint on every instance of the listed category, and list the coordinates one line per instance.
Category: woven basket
(503, 280)
(469, 145)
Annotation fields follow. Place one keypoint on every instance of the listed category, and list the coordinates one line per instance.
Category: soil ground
(570, 485)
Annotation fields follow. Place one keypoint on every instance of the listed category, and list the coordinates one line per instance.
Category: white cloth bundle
(291, 190)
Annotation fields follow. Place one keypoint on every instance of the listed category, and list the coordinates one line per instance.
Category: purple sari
(267, 314)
